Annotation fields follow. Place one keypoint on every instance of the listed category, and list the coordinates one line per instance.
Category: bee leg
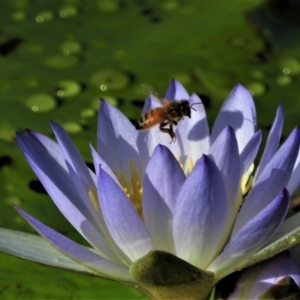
(168, 130)
(172, 134)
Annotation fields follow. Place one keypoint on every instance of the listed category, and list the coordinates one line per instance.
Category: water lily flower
(276, 278)
(170, 219)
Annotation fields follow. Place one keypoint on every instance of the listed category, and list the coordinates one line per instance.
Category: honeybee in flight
(169, 114)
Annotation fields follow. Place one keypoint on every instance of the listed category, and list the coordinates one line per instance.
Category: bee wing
(149, 89)
(152, 92)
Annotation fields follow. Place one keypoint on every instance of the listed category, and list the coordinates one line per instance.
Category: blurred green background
(57, 57)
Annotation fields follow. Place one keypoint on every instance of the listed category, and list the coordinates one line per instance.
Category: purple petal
(123, 222)
(117, 139)
(252, 236)
(274, 177)
(176, 91)
(272, 142)
(35, 248)
(77, 252)
(193, 134)
(294, 181)
(98, 161)
(50, 146)
(150, 103)
(238, 111)
(226, 155)
(250, 151)
(163, 180)
(71, 154)
(57, 182)
(84, 193)
(149, 139)
(263, 276)
(200, 214)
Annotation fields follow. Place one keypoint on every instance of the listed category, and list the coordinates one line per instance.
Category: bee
(167, 116)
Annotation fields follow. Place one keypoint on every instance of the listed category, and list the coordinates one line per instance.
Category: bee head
(185, 107)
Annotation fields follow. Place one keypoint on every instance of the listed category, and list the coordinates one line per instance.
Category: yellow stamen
(94, 198)
(132, 186)
(188, 166)
(247, 180)
(191, 165)
(248, 186)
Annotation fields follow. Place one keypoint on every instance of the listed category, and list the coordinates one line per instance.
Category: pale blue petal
(250, 151)
(35, 248)
(272, 142)
(149, 139)
(200, 214)
(84, 193)
(50, 146)
(60, 188)
(193, 134)
(99, 162)
(238, 111)
(226, 155)
(162, 183)
(176, 91)
(117, 139)
(71, 154)
(274, 177)
(123, 222)
(294, 181)
(154, 136)
(252, 236)
(80, 254)
(150, 103)
(258, 279)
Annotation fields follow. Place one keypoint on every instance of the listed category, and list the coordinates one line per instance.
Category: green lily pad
(22, 279)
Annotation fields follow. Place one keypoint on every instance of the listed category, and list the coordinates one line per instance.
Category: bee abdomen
(146, 121)
(151, 118)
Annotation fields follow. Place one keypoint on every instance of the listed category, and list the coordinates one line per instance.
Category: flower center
(132, 186)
